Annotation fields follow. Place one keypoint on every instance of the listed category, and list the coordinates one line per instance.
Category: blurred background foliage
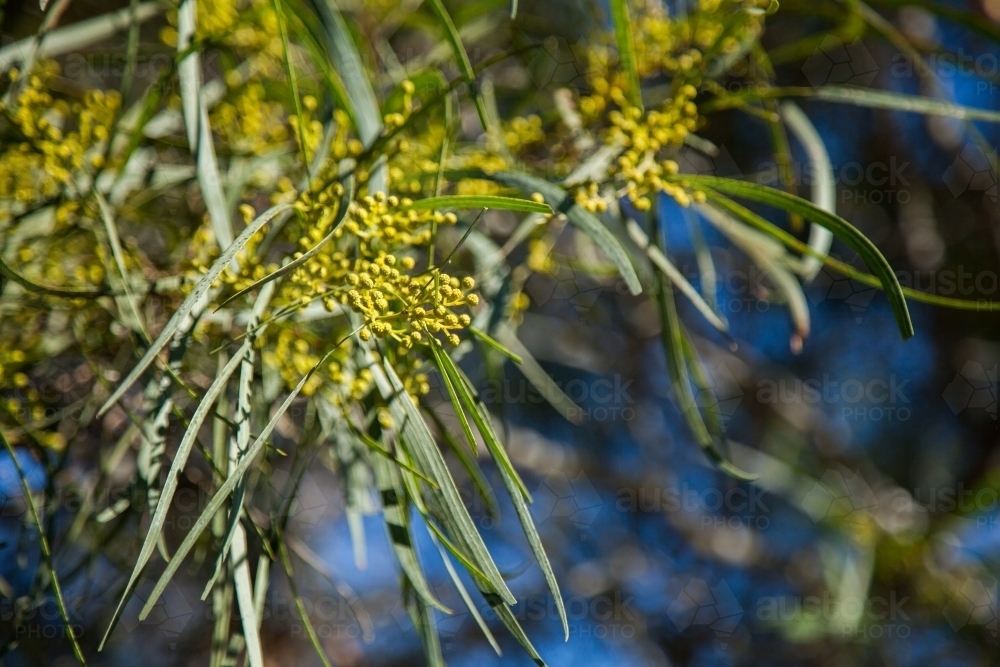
(743, 464)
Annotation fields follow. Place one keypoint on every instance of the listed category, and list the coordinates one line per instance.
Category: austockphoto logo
(562, 497)
(870, 399)
(169, 615)
(866, 183)
(846, 496)
(952, 65)
(875, 617)
(97, 65)
(700, 604)
(448, 626)
(745, 291)
(741, 506)
(40, 621)
(957, 282)
(331, 617)
(974, 170)
(601, 616)
(973, 389)
(974, 604)
(838, 62)
(841, 495)
(980, 502)
(601, 399)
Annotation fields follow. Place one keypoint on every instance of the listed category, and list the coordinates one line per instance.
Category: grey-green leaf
(561, 202)
(189, 303)
(478, 201)
(840, 227)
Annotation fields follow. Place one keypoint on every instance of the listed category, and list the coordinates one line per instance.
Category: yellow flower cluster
(215, 19)
(256, 34)
(665, 47)
(368, 268)
(307, 129)
(246, 121)
(394, 304)
(291, 345)
(60, 142)
(523, 132)
(589, 197)
(641, 133)
(10, 359)
(292, 355)
(643, 137)
(13, 379)
(249, 123)
(382, 222)
(34, 328)
(378, 282)
(344, 144)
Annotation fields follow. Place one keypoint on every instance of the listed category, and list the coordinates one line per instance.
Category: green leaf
(78, 35)
(345, 203)
(422, 617)
(515, 486)
(660, 261)
(626, 50)
(311, 34)
(455, 403)
(466, 598)
(114, 241)
(462, 58)
(370, 443)
(862, 97)
(500, 608)
(840, 227)
(513, 626)
(397, 525)
(777, 263)
(536, 375)
(300, 605)
(235, 477)
(173, 475)
(29, 500)
(428, 457)
(239, 442)
(460, 384)
(478, 201)
(560, 201)
(496, 345)
(823, 184)
(222, 604)
(11, 274)
(459, 554)
(347, 61)
(707, 273)
(675, 341)
(780, 234)
(199, 130)
(189, 303)
(468, 462)
(292, 81)
(245, 597)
